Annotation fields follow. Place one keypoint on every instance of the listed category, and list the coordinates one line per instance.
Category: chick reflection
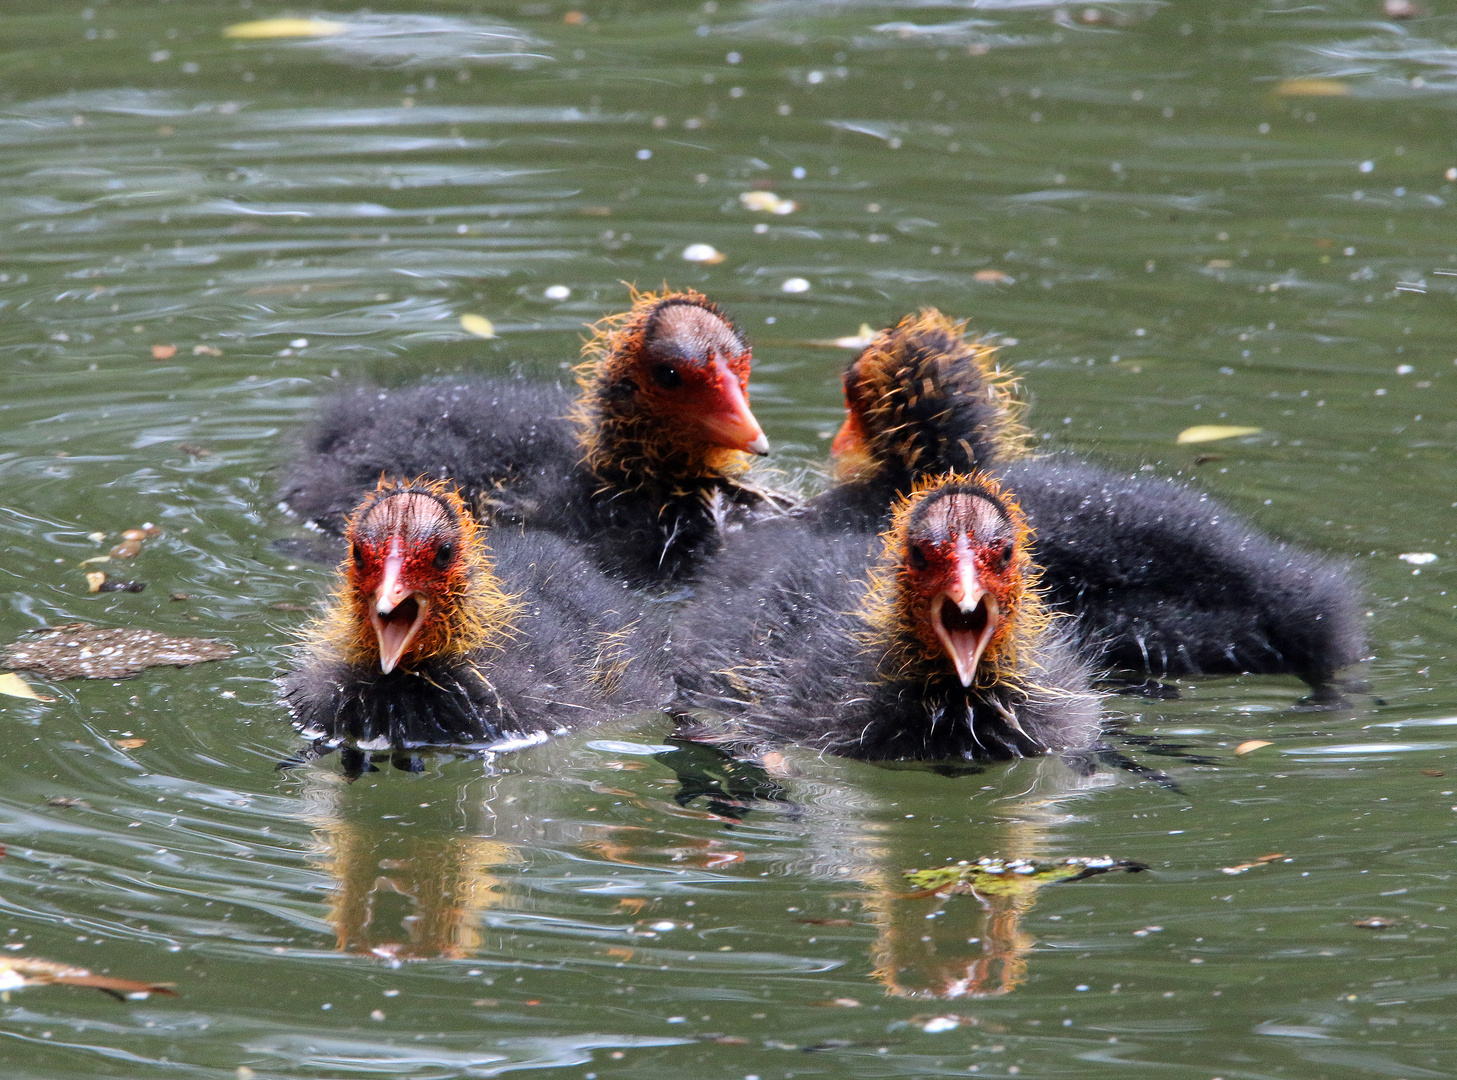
(409, 882)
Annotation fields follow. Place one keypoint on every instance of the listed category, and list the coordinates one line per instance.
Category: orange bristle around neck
(470, 610)
(905, 386)
(622, 436)
(892, 610)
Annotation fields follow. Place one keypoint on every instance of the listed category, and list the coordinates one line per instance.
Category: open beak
(731, 424)
(965, 617)
(397, 614)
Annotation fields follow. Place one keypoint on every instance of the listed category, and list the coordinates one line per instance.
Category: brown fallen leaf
(1433, 772)
(128, 744)
(574, 18)
(180, 596)
(1251, 746)
(1263, 860)
(12, 685)
(631, 904)
(127, 549)
(81, 651)
(17, 972)
(163, 352)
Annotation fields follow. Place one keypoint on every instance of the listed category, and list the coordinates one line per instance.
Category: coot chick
(646, 464)
(1162, 578)
(935, 647)
(433, 639)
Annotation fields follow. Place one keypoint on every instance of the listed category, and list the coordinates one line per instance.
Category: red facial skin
(961, 583)
(404, 577)
(693, 368)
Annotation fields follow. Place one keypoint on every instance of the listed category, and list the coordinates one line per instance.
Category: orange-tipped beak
(397, 614)
(965, 617)
(729, 422)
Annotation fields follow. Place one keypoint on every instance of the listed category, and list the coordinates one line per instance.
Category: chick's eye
(667, 376)
(1006, 553)
(358, 554)
(443, 555)
(918, 557)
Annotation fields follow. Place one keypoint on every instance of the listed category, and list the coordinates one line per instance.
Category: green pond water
(1182, 213)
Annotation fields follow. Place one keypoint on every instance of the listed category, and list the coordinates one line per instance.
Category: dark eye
(443, 555)
(1007, 549)
(358, 553)
(666, 376)
(918, 557)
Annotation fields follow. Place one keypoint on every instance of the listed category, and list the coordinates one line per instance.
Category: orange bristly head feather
(417, 582)
(954, 592)
(924, 398)
(665, 392)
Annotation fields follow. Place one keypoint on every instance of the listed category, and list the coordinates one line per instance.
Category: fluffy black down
(773, 644)
(1165, 579)
(546, 679)
(507, 445)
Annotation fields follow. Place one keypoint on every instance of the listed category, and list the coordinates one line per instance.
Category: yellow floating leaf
(478, 325)
(1313, 88)
(767, 202)
(284, 28)
(1250, 747)
(95, 580)
(130, 744)
(12, 685)
(1213, 432)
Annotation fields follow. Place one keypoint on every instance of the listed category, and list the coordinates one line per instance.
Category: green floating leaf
(1008, 877)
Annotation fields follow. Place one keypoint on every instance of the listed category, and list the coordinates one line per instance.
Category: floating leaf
(284, 28)
(767, 202)
(1211, 432)
(1009, 877)
(79, 651)
(17, 972)
(163, 352)
(478, 325)
(858, 340)
(1374, 923)
(206, 350)
(1261, 861)
(12, 685)
(703, 253)
(995, 277)
(1250, 746)
(94, 580)
(1313, 88)
(129, 744)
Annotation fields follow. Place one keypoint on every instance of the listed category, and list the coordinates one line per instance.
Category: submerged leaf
(79, 651)
(284, 28)
(1210, 432)
(12, 685)
(1008, 877)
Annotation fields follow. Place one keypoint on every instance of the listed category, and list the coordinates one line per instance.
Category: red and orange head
(953, 588)
(923, 398)
(667, 379)
(416, 583)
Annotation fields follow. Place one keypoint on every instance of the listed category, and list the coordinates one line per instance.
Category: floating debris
(128, 744)
(1375, 923)
(826, 922)
(1313, 88)
(81, 651)
(94, 581)
(1250, 746)
(1211, 432)
(206, 350)
(1009, 877)
(859, 340)
(68, 801)
(17, 972)
(194, 450)
(1418, 558)
(284, 28)
(1263, 860)
(12, 685)
(993, 277)
(766, 202)
(703, 253)
(838, 1003)
(795, 285)
(478, 325)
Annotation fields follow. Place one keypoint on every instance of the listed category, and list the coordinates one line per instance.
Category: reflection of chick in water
(415, 882)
